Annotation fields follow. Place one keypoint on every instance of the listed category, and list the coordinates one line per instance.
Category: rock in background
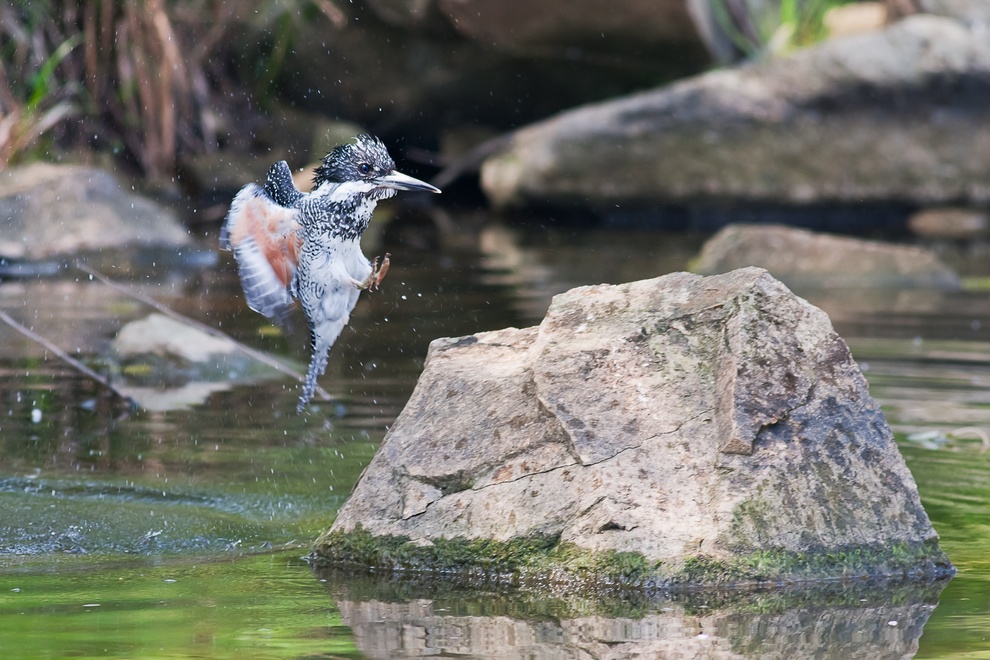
(975, 13)
(715, 428)
(164, 364)
(48, 210)
(901, 115)
(807, 259)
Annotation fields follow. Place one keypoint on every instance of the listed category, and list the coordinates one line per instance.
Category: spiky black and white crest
(367, 158)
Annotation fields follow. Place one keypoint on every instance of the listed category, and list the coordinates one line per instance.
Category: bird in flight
(290, 244)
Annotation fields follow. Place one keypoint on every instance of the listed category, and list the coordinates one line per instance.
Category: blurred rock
(950, 222)
(165, 337)
(975, 13)
(897, 115)
(48, 210)
(688, 420)
(808, 259)
(166, 364)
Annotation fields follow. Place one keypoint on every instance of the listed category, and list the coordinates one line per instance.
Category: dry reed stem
(147, 73)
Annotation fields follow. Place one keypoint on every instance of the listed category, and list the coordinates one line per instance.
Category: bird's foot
(378, 271)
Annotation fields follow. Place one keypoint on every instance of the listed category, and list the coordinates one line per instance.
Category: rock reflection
(840, 621)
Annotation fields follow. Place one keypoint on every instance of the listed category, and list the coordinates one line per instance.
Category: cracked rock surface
(674, 417)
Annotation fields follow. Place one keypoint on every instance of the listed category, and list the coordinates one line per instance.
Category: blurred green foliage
(758, 27)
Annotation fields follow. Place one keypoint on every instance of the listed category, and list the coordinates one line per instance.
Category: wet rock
(662, 431)
(160, 335)
(165, 364)
(48, 210)
(901, 114)
(950, 222)
(812, 260)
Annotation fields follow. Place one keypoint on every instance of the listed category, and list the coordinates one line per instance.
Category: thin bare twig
(65, 357)
(167, 311)
(471, 160)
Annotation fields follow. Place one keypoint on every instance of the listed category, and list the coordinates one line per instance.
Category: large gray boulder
(676, 429)
(900, 115)
(48, 210)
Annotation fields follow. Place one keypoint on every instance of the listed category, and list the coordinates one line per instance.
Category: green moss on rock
(546, 562)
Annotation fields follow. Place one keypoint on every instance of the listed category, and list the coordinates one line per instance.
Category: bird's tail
(323, 335)
(317, 365)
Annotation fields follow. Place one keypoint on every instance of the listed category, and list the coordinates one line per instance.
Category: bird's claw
(378, 271)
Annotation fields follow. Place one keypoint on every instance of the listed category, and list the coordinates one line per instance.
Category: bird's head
(367, 164)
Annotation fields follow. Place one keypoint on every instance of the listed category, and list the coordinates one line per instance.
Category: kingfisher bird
(289, 244)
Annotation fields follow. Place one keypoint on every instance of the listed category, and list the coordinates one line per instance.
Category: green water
(250, 606)
(181, 533)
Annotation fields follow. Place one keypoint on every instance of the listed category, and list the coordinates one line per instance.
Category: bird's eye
(364, 168)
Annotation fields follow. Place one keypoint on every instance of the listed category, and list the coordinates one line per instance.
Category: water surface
(179, 532)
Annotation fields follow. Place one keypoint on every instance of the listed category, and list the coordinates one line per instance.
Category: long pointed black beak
(401, 181)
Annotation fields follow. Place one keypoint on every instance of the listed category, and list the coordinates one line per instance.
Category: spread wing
(263, 232)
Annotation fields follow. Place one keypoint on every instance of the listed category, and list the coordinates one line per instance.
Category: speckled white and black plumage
(346, 189)
(309, 244)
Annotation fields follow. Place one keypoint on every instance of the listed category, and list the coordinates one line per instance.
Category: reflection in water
(244, 471)
(880, 621)
(535, 266)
